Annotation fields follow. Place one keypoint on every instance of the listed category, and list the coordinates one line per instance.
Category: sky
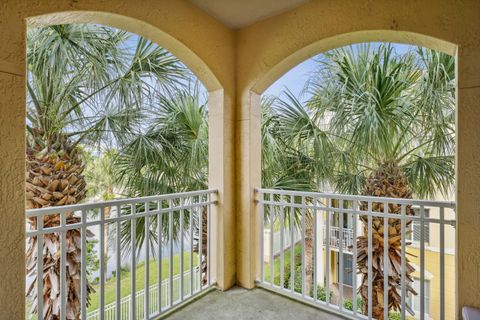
(296, 78)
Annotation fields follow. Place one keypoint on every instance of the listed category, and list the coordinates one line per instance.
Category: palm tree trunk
(55, 180)
(387, 181)
(107, 214)
(309, 243)
(204, 221)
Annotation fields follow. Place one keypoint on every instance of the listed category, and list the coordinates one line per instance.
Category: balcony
(238, 57)
(334, 238)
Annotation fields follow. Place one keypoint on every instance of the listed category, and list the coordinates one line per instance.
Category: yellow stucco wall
(333, 268)
(237, 66)
(432, 266)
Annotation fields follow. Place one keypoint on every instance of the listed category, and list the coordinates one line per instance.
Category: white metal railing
(312, 213)
(125, 302)
(334, 238)
(175, 219)
(287, 241)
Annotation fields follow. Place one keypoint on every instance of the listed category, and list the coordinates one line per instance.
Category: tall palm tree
(100, 175)
(168, 154)
(286, 167)
(101, 185)
(378, 124)
(86, 85)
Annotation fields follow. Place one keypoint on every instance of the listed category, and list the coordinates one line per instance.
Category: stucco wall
(432, 267)
(237, 66)
(12, 195)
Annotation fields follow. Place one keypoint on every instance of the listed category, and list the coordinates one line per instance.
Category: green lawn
(276, 265)
(110, 285)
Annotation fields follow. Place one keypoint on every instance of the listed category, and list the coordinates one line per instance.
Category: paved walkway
(241, 304)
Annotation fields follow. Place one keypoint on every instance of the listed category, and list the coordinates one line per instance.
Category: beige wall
(449, 232)
(237, 66)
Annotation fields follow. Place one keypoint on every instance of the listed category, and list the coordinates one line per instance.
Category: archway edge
(142, 28)
(266, 79)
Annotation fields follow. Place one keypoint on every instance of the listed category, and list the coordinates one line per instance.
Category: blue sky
(296, 78)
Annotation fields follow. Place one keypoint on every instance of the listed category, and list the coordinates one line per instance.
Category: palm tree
(86, 85)
(168, 154)
(286, 167)
(100, 180)
(100, 175)
(378, 124)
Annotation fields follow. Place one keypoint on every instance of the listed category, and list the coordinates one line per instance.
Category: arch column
(220, 177)
(468, 177)
(248, 169)
(12, 187)
(12, 196)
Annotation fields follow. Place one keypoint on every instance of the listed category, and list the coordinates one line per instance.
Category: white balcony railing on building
(182, 223)
(334, 238)
(312, 213)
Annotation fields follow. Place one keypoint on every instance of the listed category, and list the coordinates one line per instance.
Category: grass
(125, 282)
(276, 264)
(298, 251)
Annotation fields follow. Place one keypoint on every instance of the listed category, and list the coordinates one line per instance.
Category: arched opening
(289, 118)
(265, 80)
(147, 115)
(135, 26)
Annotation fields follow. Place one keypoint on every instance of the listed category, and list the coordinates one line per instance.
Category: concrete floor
(241, 304)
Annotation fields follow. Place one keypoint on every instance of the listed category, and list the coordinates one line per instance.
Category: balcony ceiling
(237, 14)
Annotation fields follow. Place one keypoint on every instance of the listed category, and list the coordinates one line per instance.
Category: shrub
(394, 315)
(297, 279)
(322, 293)
(348, 304)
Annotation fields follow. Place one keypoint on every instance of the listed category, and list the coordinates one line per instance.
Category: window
(414, 300)
(415, 227)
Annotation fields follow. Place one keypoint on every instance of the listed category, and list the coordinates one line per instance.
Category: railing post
(327, 249)
(369, 254)
(40, 269)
